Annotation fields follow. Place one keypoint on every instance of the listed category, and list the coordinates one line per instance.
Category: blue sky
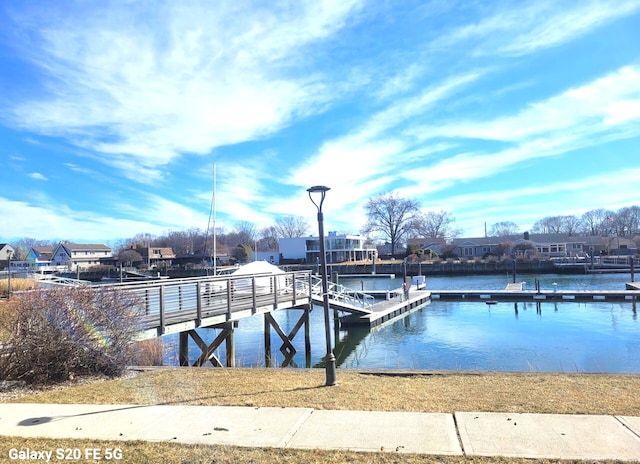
(112, 114)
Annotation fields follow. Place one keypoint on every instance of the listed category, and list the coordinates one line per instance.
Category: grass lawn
(382, 391)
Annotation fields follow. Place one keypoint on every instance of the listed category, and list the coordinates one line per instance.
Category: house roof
(42, 249)
(85, 247)
(41, 252)
(165, 252)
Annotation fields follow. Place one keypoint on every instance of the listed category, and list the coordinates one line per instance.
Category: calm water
(546, 336)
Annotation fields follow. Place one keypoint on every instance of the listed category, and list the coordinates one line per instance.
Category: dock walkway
(386, 310)
(514, 287)
(533, 295)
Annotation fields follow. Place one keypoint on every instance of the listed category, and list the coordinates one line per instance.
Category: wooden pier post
(267, 343)
(183, 351)
(230, 348)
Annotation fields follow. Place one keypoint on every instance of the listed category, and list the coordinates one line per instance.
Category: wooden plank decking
(532, 295)
(387, 310)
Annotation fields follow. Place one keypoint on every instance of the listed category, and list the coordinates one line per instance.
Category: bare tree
(548, 225)
(595, 222)
(290, 227)
(247, 230)
(434, 224)
(392, 217)
(627, 221)
(268, 239)
(504, 229)
(572, 225)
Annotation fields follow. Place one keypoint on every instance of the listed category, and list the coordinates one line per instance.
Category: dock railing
(342, 294)
(50, 279)
(216, 298)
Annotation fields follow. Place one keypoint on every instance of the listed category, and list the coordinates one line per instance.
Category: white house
(339, 248)
(79, 255)
(5, 251)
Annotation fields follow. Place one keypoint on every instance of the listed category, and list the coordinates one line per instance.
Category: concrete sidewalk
(463, 433)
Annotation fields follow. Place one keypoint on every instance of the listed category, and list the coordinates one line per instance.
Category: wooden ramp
(342, 305)
(342, 298)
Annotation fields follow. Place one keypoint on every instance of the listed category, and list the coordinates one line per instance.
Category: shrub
(51, 335)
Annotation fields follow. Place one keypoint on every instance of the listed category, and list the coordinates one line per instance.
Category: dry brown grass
(424, 392)
(137, 452)
(427, 392)
(148, 352)
(17, 285)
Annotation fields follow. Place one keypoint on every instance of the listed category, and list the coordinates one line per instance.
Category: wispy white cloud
(37, 176)
(141, 88)
(534, 26)
(529, 203)
(57, 221)
(364, 154)
(594, 113)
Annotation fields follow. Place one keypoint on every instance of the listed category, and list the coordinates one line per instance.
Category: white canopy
(258, 267)
(263, 284)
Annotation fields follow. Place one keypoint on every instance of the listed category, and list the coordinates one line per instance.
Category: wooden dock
(387, 310)
(514, 287)
(532, 295)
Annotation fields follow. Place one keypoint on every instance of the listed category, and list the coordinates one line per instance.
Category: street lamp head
(322, 190)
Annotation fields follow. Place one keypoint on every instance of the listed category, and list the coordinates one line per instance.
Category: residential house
(384, 251)
(5, 251)
(157, 257)
(338, 247)
(40, 258)
(435, 245)
(621, 246)
(75, 256)
(547, 245)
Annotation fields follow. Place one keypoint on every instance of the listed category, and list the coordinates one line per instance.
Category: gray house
(547, 245)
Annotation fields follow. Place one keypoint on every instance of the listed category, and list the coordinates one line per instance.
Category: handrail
(56, 280)
(172, 301)
(342, 294)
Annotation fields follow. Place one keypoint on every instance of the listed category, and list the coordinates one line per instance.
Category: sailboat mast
(214, 220)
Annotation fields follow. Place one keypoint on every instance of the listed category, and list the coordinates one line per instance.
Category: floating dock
(386, 310)
(532, 295)
(366, 276)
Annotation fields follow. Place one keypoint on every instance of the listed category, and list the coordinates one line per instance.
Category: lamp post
(330, 359)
